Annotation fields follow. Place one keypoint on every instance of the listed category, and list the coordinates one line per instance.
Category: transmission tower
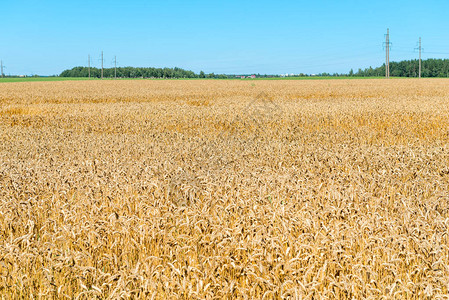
(115, 67)
(387, 54)
(101, 64)
(419, 57)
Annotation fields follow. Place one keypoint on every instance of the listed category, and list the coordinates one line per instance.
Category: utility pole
(101, 64)
(115, 67)
(419, 57)
(387, 54)
(419, 61)
(1, 62)
(88, 62)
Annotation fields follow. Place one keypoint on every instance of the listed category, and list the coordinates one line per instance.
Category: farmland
(224, 189)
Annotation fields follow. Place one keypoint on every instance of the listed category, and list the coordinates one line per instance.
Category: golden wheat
(224, 189)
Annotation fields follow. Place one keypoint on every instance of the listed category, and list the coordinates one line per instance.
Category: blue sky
(273, 37)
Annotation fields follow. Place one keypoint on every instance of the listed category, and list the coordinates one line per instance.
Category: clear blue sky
(47, 36)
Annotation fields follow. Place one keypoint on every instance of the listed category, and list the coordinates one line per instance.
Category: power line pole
(419, 57)
(419, 61)
(387, 54)
(1, 62)
(88, 62)
(101, 64)
(115, 67)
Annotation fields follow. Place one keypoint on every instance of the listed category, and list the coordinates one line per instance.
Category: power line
(320, 62)
(115, 67)
(444, 53)
(419, 57)
(387, 54)
(419, 48)
(101, 64)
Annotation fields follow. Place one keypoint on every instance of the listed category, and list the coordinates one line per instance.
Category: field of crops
(224, 189)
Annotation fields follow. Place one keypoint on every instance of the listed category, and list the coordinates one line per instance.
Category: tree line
(133, 72)
(408, 68)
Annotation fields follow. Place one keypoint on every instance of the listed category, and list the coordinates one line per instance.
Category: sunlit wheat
(200, 189)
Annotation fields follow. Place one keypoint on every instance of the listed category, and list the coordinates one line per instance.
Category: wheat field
(210, 189)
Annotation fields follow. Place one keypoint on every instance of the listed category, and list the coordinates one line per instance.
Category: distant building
(244, 76)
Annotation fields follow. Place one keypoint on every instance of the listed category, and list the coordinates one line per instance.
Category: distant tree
(409, 68)
(131, 72)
